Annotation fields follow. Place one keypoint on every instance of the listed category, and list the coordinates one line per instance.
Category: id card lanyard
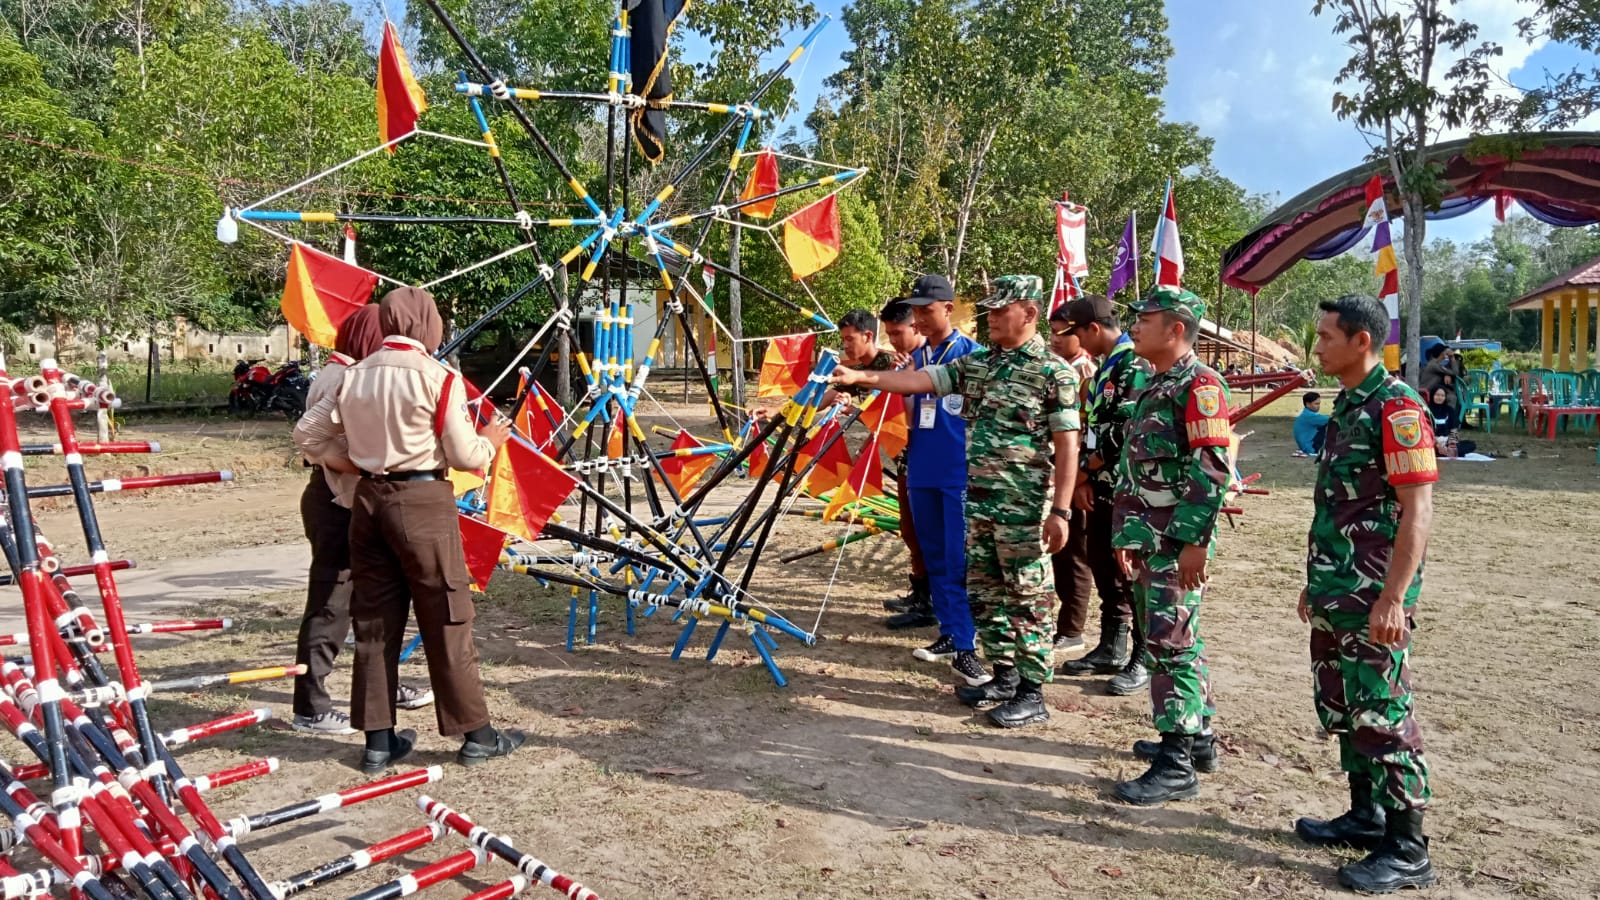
(928, 408)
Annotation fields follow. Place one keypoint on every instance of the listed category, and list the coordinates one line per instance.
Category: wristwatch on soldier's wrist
(1058, 511)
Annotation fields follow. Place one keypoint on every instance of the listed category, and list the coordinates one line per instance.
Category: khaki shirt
(398, 410)
(326, 384)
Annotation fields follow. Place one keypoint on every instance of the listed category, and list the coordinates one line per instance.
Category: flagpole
(1133, 219)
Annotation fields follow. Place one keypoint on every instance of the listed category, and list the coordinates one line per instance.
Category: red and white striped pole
(243, 825)
(179, 737)
(489, 841)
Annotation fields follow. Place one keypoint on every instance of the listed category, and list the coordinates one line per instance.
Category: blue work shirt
(936, 457)
(1307, 426)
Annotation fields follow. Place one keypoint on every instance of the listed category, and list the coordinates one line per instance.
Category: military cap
(1009, 289)
(1173, 299)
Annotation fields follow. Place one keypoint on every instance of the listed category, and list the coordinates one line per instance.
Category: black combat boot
(999, 689)
(1170, 777)
(1401, 860)
(1133, 678)
(1360, 828)
(1107, 658)
(1025, 707)
(1204, 751)
(919, 595)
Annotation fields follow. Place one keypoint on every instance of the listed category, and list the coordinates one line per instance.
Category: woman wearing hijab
(404, 422)
(1446, 424)
(325, 512)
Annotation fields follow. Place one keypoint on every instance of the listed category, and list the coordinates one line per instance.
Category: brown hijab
(360, 334)
(410, 312)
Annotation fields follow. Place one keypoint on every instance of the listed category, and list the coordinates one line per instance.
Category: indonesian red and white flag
(1072, 260)
(1168, 247)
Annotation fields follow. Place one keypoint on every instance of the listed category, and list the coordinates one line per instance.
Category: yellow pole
(1548, 329)
(1564, 332)
(1583, 332)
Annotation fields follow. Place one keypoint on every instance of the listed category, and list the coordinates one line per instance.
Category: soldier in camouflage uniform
(1171, 482)
(1021, 404)
(1373, 505)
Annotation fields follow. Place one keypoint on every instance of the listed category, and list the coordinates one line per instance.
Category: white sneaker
(408, 697)
(1067, 644)
(330, 722)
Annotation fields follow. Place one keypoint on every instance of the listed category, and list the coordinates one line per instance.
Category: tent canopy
(1557, 180)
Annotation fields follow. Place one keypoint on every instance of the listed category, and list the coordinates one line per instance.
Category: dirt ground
(645, 777)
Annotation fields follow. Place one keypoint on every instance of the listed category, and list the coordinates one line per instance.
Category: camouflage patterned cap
(1175, 299)
(1009, 289)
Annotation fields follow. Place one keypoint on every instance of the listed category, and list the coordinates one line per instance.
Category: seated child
(1310, 427)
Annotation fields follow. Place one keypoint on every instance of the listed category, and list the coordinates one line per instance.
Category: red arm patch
(1205, 421)
(1408, 456)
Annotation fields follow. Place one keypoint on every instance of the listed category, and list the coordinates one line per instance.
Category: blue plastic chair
(1474, 397)
(1562, 387)
(1503, 393)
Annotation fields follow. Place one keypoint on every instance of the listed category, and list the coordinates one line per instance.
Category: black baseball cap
(1087, 309)
(930, 289)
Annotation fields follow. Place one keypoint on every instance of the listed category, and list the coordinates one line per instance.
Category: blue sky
(1257, 77)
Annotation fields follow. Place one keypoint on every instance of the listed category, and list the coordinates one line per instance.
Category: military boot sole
(1323, 833)
(1134, 793)
(1033, 719)
(1086, 666)
(1419, 877)
(907, 620)
(1121, 687)
(977, 698)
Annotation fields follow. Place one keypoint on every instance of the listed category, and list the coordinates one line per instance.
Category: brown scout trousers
(405, 549)
(327, 615)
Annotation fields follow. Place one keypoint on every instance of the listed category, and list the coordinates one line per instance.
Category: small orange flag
(400, 97)
(526, 488)
(758, 459)
(321, 291)
(865, 480)
(763, 181)
(786, 365)
(481, 543)
(885, 415)
(616, 446)
(812, 237)
(834, 465)
(540, 416)
(685, 471)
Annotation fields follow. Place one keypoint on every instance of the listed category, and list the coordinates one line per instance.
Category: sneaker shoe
(408, 697)
(969, 669)
(330, 722)
(938, 651)
(473, 753)
(1067, 643)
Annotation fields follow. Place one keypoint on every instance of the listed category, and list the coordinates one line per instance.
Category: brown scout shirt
(398, 410)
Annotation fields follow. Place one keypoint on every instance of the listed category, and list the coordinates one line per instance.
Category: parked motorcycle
(257, 388)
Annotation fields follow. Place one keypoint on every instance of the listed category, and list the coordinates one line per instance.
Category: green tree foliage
(1565, 97)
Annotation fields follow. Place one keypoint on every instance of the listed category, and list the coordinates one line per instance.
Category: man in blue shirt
(936, 475)
(1310, 426)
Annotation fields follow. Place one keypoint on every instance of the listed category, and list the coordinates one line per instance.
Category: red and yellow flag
(885, 415)
(763, 180)
(759, 459)
(525, 489)
(865, 480)
(786, 365)
(322, 291)
(832, 468)
(540, 416)
(400, 98)
(684, 471)
(481, 543)
(812, 237)
(616, 446)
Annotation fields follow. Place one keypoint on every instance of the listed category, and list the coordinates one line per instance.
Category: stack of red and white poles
(111, 824)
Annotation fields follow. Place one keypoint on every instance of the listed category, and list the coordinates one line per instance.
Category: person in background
(400, 420)
(1310, 426)
(1073, 574)
(904, 340)
(1440, 371)
(325, 513)
(1447, 425)
(858, 338)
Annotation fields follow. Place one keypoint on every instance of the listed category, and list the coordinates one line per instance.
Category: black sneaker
(969, 669)
(938, 651)
(473, 753)
(375, 761)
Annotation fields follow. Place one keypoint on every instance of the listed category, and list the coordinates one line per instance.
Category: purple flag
(1126, 265)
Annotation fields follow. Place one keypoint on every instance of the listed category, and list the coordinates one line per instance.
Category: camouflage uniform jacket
(1380, 437)
(1175, 469)
(883, 361)
(1014, 401)
(1111, 397)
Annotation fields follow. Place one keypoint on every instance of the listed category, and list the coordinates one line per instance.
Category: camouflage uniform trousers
(1012, 593)
(1180, 681)
(1363, 695)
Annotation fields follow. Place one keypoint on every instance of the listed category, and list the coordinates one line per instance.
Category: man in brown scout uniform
(403, 416)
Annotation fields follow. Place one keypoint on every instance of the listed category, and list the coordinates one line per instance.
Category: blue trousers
(942, 531)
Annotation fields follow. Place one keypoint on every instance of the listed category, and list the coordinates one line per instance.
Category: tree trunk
(736, 318)
(1416, 230)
